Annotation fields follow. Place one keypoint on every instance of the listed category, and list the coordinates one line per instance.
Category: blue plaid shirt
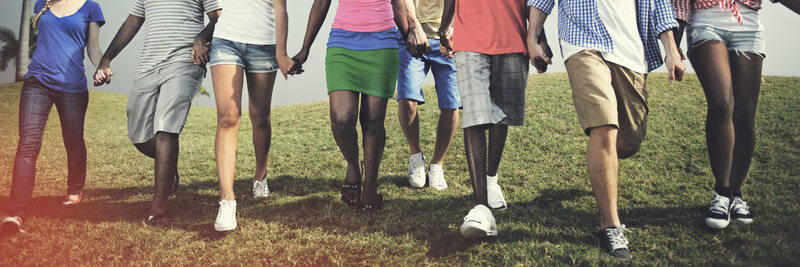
(579, 24)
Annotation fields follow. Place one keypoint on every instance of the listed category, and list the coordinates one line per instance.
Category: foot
(740, 212)
(260, 189)
(718, 215)
(72, 199)
(11, 225)
(436, 177)
(416, 170)
(479, 223)
(613, 242)
(157, 220)
(373, 206)
(495, 194)
(226, 217)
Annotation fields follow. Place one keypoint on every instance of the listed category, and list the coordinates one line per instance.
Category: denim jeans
(35, 103)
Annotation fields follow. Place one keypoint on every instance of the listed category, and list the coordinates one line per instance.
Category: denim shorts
(253, 58)
(746, 41)
(413, 71)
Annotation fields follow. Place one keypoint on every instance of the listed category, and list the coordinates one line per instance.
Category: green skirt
(372, 72)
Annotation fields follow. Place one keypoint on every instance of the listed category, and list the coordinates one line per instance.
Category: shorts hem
(367, 93)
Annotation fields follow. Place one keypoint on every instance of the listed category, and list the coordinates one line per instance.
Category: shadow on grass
(313, 204)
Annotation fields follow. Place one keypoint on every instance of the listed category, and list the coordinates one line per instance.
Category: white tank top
(247, 21)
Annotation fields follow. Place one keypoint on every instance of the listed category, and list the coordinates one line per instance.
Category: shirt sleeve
(544, 5)
(96, 14)
(211, 5)
(38, 6)
(138, 8)
(663, 17)
(682, 9)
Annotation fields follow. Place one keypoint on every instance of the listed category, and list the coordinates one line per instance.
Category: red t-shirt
(490, 26)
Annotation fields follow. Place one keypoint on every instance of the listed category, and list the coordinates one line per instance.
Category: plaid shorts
(492, 88)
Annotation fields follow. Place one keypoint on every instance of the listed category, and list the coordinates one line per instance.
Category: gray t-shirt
(169, 30)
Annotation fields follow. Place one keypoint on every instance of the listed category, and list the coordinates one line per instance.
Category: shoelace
(740, 206)
(719, 204)
(226, 211)
(617, 238)
(259, 185)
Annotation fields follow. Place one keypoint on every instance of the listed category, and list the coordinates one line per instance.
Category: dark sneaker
(718, 215)
(157, 221)
(11, 225)
(613, 242)
(740, 212)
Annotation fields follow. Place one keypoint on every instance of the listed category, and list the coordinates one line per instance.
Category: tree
(23, 55)
(9, 47)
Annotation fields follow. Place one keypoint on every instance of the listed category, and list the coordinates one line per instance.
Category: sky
(781, 33)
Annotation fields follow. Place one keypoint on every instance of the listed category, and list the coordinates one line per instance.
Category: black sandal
(373, 207)
(351, 192)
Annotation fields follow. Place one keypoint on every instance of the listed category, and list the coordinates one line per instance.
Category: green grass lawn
(663, 192)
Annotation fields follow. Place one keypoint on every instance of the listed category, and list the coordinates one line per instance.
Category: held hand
(540, 54)
(299, 59)
(103, 75)
(286, 64)
(675, 67)
(446, 43)
(417, 43)
(200, 52)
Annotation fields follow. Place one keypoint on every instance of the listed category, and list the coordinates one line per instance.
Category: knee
(373, 124)
(343, 121)
(260, 119)
(28, 147)
(228, 118)
(722, 107)
(604, 136)
(745, 113)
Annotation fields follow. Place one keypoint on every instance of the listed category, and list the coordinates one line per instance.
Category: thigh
(592, 92)
(709, 58)
(446, 78)
(228, 81)
(632, 106)
(259, 88)
(746, 61)
(35, 103)
(473, 78)
(178, 88)
(373, 109)
(72, 113)
(508, 81)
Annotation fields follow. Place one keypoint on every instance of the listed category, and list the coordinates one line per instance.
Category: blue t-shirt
(58, 59)
(360, 41)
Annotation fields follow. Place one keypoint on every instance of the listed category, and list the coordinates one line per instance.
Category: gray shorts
(160, 100)
(492, 88)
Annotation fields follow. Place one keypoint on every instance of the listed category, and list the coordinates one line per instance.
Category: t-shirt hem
(493, 51)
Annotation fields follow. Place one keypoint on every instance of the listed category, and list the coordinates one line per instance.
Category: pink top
(364, 15)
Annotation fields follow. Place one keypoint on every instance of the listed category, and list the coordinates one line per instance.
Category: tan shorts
(607, 94)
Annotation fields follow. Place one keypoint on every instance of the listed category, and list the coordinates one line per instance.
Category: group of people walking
(478, 51)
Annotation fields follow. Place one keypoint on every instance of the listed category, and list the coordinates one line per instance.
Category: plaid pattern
(492, 88)
(683, 8)
(579, 24)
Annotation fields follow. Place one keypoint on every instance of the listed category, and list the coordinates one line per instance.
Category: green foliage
(10, 46)
(663, 192)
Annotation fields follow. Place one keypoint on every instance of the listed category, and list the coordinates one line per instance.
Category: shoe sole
(473, 230)
(224, 229)
(743, 221)
(503, 207)
(717, 224)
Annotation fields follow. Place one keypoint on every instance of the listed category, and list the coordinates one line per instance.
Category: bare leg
(147, 148)
(602, 162)
(710, 61)
(372, 117)
(746, 73)
(344, 113)
(497, 143)
(475, 146)
(166, 164)
(409, 122)
(228, 80)
(445, 130)
(259, 87)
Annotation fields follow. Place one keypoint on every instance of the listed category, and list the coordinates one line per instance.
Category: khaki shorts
(607, 94)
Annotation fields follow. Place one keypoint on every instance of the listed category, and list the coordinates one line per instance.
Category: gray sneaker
(613, 242)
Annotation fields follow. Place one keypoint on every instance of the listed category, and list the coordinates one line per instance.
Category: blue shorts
(253, 58)
(745, 41)
(413, 72)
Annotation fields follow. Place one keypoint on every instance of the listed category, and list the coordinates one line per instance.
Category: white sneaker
(416, 170)
(718, 215)
(436, 177)
(495, 193)
(226, 217)
(479, 223)
(11, 225)
(260, 189)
